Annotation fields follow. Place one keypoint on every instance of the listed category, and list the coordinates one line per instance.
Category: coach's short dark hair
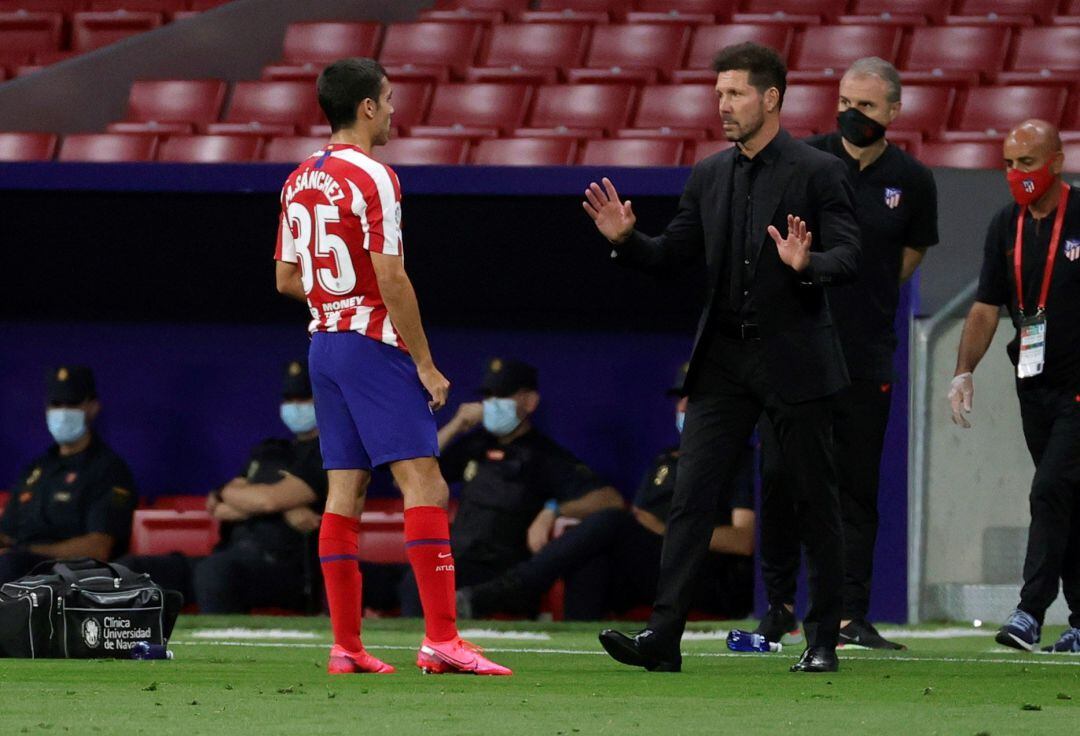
(765, 67)
(346, 83)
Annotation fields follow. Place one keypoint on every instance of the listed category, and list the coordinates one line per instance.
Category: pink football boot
(457, 656)
(344, 662)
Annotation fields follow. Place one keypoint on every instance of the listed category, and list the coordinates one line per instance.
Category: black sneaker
(780, 626)
(861, 632)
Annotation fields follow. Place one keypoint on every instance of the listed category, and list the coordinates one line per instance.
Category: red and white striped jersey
(337, 208)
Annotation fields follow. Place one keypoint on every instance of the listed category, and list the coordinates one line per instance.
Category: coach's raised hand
(614, 219)
(794, 249)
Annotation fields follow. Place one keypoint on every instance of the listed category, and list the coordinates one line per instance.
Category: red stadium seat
(161, 532)
(995, 110)
(485, 18)
(1072, 156)
(835, 47)
(690, 108)
(597, 107)
(1046, 49)
(643, 46)
(423, 151)
(107, 147)
(42, 6)
(433, 45)
(631, 152)
(22, 33)
(382, 536)
(957, 48)
(934, 10)
(486, 108)
(525, 152)
(27, 146)
(982, 155)
(885, 19)
(509, 8)
(925, 109)
(326, 42)
(142, 6)
(823, 8)
(281, 103)
(616, 9)
(531, 47)
(4, 495)
(209, 149)
(91, 31)
(180, 502)
(1041, 10)
(176, 101)
(568, 17)
(292, 150)
(151, 127)
(721, 9)
(707, 40)
(809, 107)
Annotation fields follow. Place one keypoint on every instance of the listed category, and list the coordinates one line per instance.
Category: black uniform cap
(507, 377)
(70, 384)
(297, 383)
(678, 387)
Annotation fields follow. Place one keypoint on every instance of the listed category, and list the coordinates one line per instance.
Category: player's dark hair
(346, 83)
(764, 66)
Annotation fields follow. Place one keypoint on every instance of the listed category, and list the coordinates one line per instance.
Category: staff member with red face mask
(896, 207)
(1031, 264)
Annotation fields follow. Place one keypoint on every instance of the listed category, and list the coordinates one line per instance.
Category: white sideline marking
(704, 635)
(952, 633)
(495, 634)
(1044, 659)
(244, 633)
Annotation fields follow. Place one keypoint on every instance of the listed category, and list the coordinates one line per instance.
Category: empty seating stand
(164, 531)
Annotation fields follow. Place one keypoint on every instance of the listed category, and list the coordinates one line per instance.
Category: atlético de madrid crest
(892, 197)
(1072, 249)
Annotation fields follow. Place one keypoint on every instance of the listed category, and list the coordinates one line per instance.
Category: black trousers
(861, 416)
(1051, 419)
(726, 402)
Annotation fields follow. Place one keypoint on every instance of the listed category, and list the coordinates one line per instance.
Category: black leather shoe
(817, 659)
(641, 650)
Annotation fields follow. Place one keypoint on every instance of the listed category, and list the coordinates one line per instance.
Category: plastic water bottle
(146, 650)
(747, 641)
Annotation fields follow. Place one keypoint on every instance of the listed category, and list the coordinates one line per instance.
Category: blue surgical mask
(500, 416)
(299, 416)
(66, 425)
(680, 420)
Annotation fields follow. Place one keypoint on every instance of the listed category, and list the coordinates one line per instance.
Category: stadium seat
(615, 9)
(23, 33)
(509, 8)
(42, 6)
(823, 8)
(632, 152)
(282, 105)
(1040, 10)
(925, 108)
(91, 31)
(719, 9)
(809, 107)
(680, 107)
(836, 46)
(209, 149)
(707, 40)
(969, 155)
(568, 17)
(382, 537)
(292, 150)
(884, 19)
(165, 7)
(484, 18)
(1044, 56)
(162, 531)
(151, 127)
(4, 496)
(451, 46)
(475, 110)
(535, 50)
(594, 108)
(616, 50)
(957, 48)
(933, 10)
(423, 151)
(525, 152)
(997, 109)
(326, 42)
(107, 147)
(195, 101)
(27, 146)
(1072, 156)
(180, 502)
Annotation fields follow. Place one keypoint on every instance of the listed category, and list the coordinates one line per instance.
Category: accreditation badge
(1032, 346)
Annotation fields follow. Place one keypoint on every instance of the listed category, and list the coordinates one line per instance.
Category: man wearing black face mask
(1036, 242)
(896, 207)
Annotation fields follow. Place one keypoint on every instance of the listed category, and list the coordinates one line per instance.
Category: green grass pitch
(564, 685)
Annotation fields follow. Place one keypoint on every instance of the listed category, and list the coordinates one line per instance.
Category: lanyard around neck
(1051, 255)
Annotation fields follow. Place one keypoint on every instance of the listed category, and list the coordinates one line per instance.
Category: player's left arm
(268, 498)
(923, 230)
(288, 281)
(97, 545)
(912, 258)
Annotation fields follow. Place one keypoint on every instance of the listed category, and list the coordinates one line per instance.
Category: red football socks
(339, 544)
(427, 543)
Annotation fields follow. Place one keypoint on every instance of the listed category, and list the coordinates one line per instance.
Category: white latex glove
(961, 391)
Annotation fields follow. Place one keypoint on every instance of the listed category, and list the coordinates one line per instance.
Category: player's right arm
(400, 300)
(287, 270)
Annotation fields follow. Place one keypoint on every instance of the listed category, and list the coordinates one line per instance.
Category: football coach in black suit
(775, 220)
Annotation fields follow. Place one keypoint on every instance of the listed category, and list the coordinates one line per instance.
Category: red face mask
(1027, 186)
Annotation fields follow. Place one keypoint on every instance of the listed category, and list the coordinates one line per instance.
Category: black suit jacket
(803, 356)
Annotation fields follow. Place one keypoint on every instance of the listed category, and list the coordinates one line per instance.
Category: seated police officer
(77, 499)
(265, 555)
(611, 560)
(516, 480)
